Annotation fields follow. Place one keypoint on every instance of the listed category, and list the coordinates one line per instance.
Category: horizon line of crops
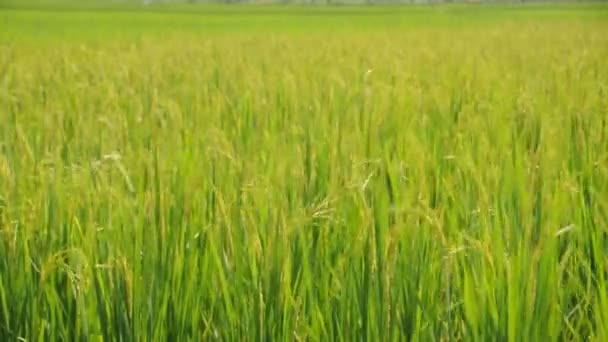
(425, 184)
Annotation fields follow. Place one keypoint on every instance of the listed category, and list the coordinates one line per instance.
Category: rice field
(262, 173)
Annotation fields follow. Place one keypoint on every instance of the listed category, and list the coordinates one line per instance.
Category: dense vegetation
(304, 174)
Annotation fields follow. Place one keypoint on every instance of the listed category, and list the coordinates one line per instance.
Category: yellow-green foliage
(377, 174)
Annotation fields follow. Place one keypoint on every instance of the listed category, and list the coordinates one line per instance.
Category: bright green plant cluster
(234, 176)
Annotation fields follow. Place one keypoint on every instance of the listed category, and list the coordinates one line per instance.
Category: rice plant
(279, 173)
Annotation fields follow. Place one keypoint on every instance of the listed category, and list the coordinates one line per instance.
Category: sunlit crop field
(195, 173)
